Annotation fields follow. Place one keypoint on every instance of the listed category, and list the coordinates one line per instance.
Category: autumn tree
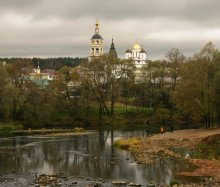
(175, 59)
(66, 87)
(39, 106)
(154, 75)
(104, 75)
(5, 93)
(116, 71)
(18, 75)
(195, 93)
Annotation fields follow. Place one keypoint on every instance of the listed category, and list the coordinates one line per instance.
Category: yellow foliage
(79, 129)
(127, 143)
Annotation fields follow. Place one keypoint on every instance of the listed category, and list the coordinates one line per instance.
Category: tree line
(48, 63)
(176, 89)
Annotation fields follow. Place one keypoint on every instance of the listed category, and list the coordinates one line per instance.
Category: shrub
(172, 183)
(127, 144)
(78, 129)
(6, 128)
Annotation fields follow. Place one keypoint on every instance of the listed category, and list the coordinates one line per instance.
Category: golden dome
(136, 46)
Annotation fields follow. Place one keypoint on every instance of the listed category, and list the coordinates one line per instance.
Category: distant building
(3, 63)
(41, 78)
(96, 44)
(137, 54)
(37, 74)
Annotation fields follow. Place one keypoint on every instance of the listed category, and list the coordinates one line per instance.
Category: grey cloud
(64, 27)
(196, 10)
(17, 4)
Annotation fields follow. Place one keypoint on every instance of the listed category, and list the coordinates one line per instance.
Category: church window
(97, 41)
(97, 50)
(92, 49)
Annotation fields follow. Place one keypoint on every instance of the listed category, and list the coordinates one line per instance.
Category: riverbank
(198, 147)
(53, 132)
(165, 145)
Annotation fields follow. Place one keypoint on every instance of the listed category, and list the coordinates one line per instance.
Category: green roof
(42, 82)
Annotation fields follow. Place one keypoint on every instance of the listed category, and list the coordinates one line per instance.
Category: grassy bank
(125, 117)
(9, 127)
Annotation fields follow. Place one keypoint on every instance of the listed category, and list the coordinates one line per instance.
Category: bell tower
(96, 44)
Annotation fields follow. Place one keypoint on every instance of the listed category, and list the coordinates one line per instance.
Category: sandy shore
(162, 145)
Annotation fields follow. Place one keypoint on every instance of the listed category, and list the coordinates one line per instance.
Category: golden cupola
(137, 47)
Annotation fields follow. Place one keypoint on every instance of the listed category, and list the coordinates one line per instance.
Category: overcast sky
(51, 28)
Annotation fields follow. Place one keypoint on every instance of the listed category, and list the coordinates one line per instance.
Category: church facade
(137, 54)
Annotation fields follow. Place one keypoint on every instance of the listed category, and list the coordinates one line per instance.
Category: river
(91, 155)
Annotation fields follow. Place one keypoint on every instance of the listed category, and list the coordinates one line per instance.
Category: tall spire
(112, 45)
(97, 26)
(112, 55)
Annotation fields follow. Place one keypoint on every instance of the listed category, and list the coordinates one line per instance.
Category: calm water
(88, 155)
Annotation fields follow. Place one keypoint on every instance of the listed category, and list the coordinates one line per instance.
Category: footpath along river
(88, 156)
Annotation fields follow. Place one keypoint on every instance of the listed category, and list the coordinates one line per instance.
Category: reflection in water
(88, 155)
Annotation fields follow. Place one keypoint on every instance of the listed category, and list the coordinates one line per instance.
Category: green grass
(122, 109)
(7, 127)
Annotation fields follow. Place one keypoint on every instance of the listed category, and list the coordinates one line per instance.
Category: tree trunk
(112, 104)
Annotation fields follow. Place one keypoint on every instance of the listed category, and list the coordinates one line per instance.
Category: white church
(137, 54)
